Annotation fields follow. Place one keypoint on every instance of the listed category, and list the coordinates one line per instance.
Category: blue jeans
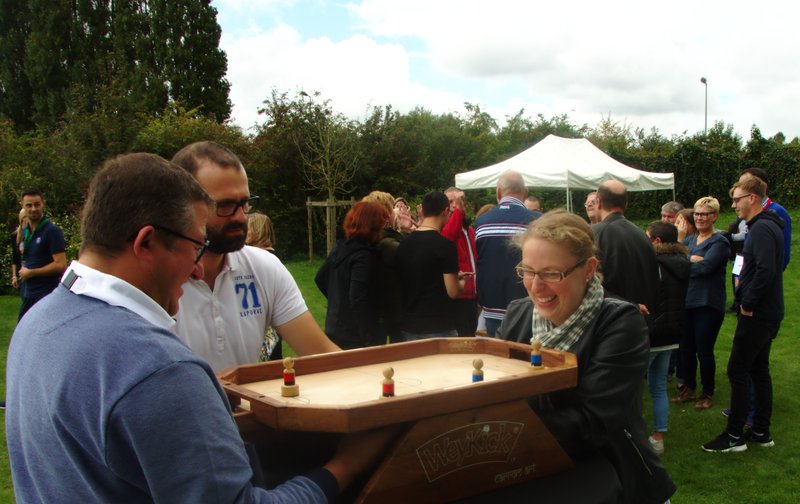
(492, 325)
(702, 329)
(657, 384)
(408, 336)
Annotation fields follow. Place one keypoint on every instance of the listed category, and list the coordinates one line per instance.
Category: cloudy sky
(638, 62)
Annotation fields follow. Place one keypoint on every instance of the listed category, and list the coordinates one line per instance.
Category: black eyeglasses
(226, 208)
(546, 276)
(200, 251)
(737, 198)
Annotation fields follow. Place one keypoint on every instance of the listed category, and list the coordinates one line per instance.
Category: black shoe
(763, 440)
(725, 443)
(2, 405)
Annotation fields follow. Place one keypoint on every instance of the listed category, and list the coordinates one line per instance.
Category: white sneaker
(656, 444)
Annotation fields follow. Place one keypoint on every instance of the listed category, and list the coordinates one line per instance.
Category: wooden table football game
(464, 437)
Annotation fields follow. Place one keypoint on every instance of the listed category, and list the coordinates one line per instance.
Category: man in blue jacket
(498, 283)
(760, 298)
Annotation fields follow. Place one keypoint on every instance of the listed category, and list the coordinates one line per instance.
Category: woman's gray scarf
(565, 336)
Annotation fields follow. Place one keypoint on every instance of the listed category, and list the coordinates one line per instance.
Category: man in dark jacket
(760, 298)
(627, 259)
(498, 284)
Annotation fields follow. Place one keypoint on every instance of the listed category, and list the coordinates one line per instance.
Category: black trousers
(750, 357)
(466, 313)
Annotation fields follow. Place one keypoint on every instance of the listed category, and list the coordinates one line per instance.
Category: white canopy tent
(566, 163)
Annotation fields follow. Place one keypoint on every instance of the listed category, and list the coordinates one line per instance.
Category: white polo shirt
(226, 326)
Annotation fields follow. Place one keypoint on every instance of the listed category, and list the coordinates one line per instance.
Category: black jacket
(349, 279)
(627, 260)
(391, 289)
(669, 315)
(602, 415)
(761, 279)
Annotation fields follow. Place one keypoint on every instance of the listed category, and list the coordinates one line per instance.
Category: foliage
(405, 154)
(90, 55)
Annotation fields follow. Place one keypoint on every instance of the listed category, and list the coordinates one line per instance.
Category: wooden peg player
(477, 372)
(388, 382)
(536, 354)
(289, 387)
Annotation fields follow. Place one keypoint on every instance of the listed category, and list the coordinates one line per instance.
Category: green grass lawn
(757, 475)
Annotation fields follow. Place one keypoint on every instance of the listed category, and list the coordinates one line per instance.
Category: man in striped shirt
(498, 283)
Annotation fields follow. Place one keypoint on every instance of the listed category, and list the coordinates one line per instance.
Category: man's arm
(452, 229)
(305, 336)
(55, 268)
(454, 283)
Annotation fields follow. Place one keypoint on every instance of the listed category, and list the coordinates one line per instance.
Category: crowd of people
(183, 282)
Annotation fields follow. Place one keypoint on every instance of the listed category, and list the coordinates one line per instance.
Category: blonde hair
(708, 201)
(259, 231)
(383, 198)
(561, 228)
(23, 216)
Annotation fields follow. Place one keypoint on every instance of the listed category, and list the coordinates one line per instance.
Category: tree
(138, 55)
(191, 62)
(330, 157)
(15, 90)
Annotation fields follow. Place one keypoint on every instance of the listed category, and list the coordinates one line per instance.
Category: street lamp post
(705, 123)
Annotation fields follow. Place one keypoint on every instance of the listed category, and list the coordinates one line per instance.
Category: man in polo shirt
(498, 283)
(224, 315)
(43, 252)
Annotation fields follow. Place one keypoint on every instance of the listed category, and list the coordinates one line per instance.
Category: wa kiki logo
(469, 445)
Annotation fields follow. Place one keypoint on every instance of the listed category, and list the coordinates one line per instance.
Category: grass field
(755, 476)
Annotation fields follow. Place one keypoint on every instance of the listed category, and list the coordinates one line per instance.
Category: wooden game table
(463, 439)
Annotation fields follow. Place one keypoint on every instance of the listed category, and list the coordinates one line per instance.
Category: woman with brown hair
(349, 279)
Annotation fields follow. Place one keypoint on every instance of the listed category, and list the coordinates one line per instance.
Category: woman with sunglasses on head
(567, 310)
(705, 304)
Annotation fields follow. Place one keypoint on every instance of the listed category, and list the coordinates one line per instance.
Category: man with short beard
(244, 289)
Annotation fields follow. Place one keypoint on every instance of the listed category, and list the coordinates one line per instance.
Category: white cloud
(637, 61)
(353, 73)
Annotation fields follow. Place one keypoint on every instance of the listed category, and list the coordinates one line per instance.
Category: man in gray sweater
(105, 404)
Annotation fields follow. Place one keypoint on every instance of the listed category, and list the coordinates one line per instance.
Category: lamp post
(705, 123)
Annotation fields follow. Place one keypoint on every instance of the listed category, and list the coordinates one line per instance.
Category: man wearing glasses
(122, 411)
(223, 315)
(761, 310)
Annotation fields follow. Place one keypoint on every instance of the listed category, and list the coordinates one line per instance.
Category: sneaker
(749, 421)
(725, 443)
(705, 402)
(686, 395)
(656, 444)
(763, 440)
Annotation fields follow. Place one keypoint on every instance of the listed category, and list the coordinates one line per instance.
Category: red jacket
(465, 244)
